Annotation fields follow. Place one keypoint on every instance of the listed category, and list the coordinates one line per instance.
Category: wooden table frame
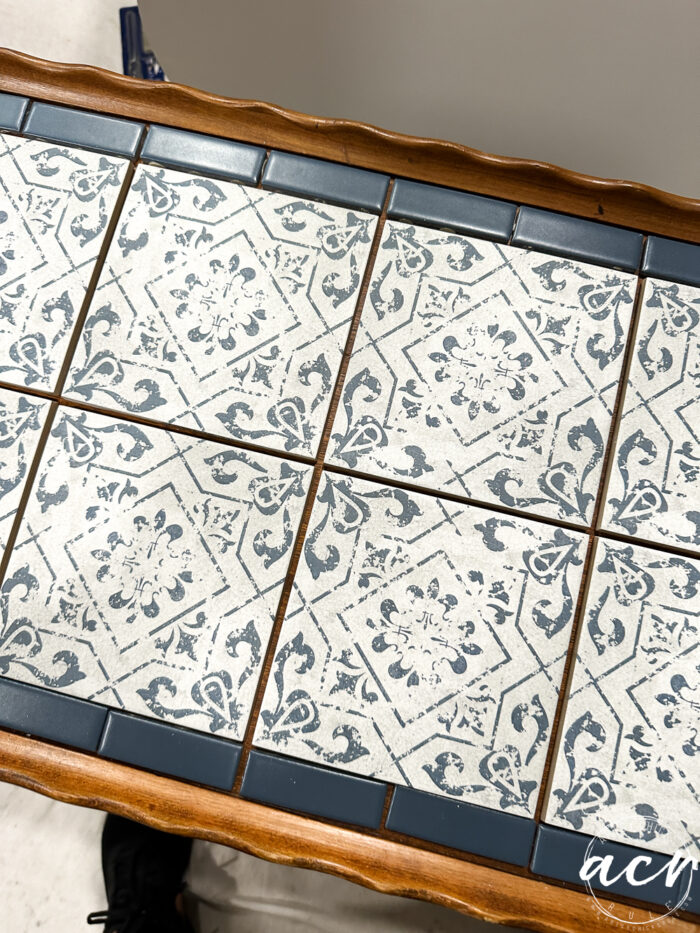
(470, 884)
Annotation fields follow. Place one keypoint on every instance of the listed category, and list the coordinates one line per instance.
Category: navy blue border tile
(12, 109)
(671, 259)
(222, 157)
(462, 826)
(81, 128)
(181, 753)
(50, 715)
(692, 904)
(316, 178)
(296, 785)
(578, 239)
(447, 207)
(560, 854)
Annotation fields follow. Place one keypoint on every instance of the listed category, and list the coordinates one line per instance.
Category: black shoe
(143, 871)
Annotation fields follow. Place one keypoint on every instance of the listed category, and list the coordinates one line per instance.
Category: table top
(341, 523)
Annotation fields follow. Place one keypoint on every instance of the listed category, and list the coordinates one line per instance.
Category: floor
(49, 859)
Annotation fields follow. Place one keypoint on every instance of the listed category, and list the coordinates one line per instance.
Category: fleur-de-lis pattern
(400, 659)
(629, 763)
(654, 489)
(223, 308)
(21, 421)
(486, 371)
(148, 569)
(55, 205)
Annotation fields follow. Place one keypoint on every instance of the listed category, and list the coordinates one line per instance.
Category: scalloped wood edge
(525, 181)
(380, 863)
(390, 867)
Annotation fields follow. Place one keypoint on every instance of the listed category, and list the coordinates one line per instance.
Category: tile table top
(486, 371)
(312, 506)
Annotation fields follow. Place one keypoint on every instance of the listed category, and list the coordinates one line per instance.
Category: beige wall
(607, 87)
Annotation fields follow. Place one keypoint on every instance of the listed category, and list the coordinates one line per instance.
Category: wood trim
(522, 180)
(381, 864)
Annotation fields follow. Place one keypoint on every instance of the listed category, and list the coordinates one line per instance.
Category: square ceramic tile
(21, 420)
(399, 660)
(628, 767)
(55, 205)
(486, 371)
(148, 570)
(224, 308)
(654, 488)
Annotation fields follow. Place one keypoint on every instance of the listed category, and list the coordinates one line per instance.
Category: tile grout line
(619, 404)
(518, 208)
(99, 265)
(26, 492)
(567, 676)
(271, 648)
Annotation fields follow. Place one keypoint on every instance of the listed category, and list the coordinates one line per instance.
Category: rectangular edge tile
(81, 128)
(671, 259)
(579, 239)
(222, 157)
(560, 854)
(51, 715)
(296, 785)
(180, 753)
(12, 110)
(316, 178)
(462, 826)
(447, 207)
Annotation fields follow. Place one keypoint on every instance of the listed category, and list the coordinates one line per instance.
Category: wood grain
(381, 864)
(376, 860)
(522, 180)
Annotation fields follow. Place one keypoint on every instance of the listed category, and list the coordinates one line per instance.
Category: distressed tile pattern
(21, 421)
(400, 661)
(55, 205)
(486, 371)
(223, 308)
(148, 570)
(654, 490)
(628, 765)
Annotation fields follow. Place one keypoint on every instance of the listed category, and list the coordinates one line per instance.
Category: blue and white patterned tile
(399, 661)
(486, 371)
(628, 765)
(148, 570)
(21, 420)
(55, 206)
(223, 308)
(654, 489)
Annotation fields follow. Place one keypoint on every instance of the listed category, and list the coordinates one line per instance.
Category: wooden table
(378, 859)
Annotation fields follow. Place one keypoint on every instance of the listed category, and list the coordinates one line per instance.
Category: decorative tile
(221, 157)
(672, 259)
(84, 128)
(580, 239)
(399, 662)
(447, 207)
(21, 420)
(12, 109)
(224, 308)
(627, 767)
(654, 489)
(486, 371)
(148, 570)
(55, 204)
